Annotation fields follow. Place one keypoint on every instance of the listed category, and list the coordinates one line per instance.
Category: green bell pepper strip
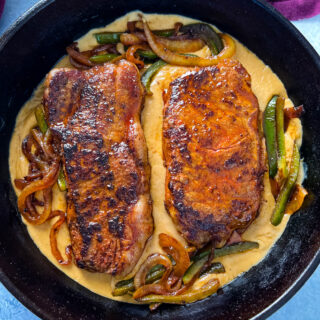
(215, 267)
(269, 129)
(101, 58)
(114, 37)
(206, 33)
(122, 287)
(282, 164)
(156, 268)
(108, 37)
(235, 248)
(200, 259)
(287, 188)
(231, 249)
(147, 54)
(43, 126)
(62, 184)
(41, 120)
(188, 297)
(195, 267)
(149, 74)
(164, 33)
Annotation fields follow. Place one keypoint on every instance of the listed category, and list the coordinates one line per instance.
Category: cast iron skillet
(28, 51)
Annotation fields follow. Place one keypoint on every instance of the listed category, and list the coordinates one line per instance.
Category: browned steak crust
(212, 152)
(95, 116)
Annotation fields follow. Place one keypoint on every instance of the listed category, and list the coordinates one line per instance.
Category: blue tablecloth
(304, 305)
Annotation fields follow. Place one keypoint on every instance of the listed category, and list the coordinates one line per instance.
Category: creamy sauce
(264, 84)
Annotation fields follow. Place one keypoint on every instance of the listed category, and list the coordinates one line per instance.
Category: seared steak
(95, 117)
(212, 152)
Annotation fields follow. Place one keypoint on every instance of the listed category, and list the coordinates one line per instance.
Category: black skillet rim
(304, 276)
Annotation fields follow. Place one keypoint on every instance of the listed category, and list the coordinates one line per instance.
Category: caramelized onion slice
(53, 238)
(296, 199)
(21, 183)
(43, 140)
(130, 55)
(77, 64)
(176, 59)
(151, 261)
(131, 26)
(27, 144)
(77, 56)
(188, 297)
(154, 288)
(177, 44)
(108, 48)
(130, 39)
(49, 178)
(176, 250)
(293, 112)
(183, 45)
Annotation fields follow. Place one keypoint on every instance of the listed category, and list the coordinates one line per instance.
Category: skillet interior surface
(31, 48)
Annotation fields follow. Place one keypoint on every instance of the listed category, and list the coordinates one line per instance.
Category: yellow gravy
(264, 84)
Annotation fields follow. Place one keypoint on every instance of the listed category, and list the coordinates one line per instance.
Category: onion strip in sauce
(177, 44)
(171, 281)
(130, 54)
(182, 60)
(44, 166)
(179, 254)
(78, 56)
(53, 238)
(48, 180)
(151, 261)
(181, 45)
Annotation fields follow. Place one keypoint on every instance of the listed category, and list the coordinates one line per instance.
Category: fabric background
(297, 9)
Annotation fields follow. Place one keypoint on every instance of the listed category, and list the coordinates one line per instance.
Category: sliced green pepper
(200, 259)
(41, 120)
(164, 33)
(226, 250)
(235, 248)
(287, 188)
(114, 37)
(269, 129)
(150, 73)
(206, 33)
(62, 184)
(194, 269)
(153, 276)
(42, 123)
(101, 58)
(282, 164)
(108, 37)
(215, 267)
(196, 266)
(190, 296)
(124, 286)
(156, 268)
(188, 54)
(147, 54)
